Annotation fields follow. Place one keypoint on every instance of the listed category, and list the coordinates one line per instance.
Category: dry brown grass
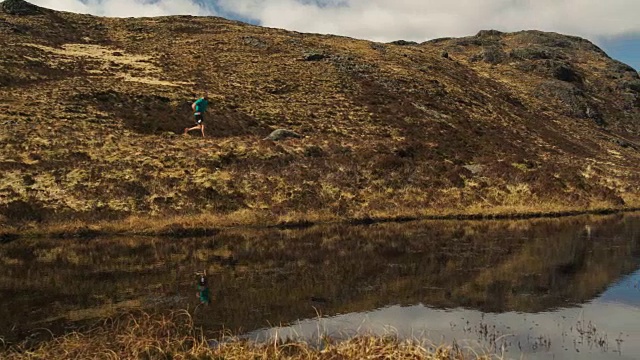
(174, 336)
(210, 222)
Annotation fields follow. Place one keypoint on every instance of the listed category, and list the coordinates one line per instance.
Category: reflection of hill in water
(262, 277)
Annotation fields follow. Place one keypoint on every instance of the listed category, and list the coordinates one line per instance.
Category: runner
(199, 107)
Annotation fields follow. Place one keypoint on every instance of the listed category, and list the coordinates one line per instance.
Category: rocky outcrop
(20, 7)
(491, 55)
(403, 43)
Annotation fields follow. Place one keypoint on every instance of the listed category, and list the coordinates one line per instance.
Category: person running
(199, 107)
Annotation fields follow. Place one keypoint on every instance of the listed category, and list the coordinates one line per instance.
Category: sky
(613, 25)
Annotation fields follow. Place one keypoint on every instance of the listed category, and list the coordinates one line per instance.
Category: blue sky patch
(624, 48)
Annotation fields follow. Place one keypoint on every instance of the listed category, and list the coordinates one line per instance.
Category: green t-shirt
(203, 291)
(201, 105)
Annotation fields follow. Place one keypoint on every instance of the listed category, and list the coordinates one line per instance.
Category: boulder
(474, 168)
(281, 134)
(314, 57)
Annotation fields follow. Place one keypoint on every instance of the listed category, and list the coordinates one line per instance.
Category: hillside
(91, 109)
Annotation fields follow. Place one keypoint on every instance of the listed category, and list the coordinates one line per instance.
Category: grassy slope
(90, 108)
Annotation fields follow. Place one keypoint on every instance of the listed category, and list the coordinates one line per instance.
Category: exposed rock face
(403, 43)
(535, 52)
(489, 33)
(20, 7)
(491, 55)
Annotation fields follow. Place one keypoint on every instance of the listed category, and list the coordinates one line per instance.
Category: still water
(539, 289)
(606, 327)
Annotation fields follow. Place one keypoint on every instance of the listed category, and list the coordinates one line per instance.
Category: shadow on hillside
(157, 114)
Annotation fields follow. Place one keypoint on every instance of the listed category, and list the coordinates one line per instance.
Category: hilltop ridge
(91, 108)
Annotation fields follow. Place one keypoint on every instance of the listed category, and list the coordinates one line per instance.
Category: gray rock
(626, 144)
(557, 69)
(314, 57)
(474, 168)
(622, 143)
(633, 85)
(490, 54)
(594, 114)
(403, 43)
(571, 99)
(378, 46)
(489, 33)
(255, 42)
(281, 134)
(535, 52)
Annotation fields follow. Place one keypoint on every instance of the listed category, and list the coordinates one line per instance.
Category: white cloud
(126, 8)
(559, 326)
(419, 20)
(63, 5)
(385, 20)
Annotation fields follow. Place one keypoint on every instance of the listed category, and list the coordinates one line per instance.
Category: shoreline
(175, 335)
(194, 225)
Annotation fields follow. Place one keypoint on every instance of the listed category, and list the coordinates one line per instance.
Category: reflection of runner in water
(203, 289)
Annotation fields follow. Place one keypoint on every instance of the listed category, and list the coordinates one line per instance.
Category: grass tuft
(140, 335)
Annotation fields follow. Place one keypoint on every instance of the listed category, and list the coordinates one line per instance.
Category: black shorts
(199, 118)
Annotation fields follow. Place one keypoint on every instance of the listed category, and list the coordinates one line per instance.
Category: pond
(546, 288)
